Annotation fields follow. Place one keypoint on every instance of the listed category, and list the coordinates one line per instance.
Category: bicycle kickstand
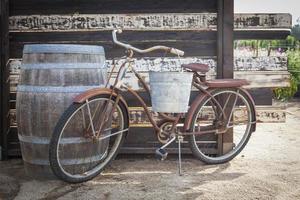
(180, 140)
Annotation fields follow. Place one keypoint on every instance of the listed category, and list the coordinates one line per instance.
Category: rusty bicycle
(217, 124)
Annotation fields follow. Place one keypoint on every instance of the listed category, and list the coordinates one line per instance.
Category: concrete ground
(268, 168)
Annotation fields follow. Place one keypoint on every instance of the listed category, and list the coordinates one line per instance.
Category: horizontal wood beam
(241, 63)
(151, 22)
(258, 79)
(138, 117)
(261, 34)
(191, 48)
(30, 7)
(264, 79)
(261, 72)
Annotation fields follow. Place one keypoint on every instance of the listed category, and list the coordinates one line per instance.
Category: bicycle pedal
(161, 154)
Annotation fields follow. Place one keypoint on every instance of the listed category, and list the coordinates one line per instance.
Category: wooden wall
(4, 79)
(184, 24)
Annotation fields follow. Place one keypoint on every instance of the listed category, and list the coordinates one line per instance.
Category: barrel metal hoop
(46, 140)
(64, 66)
(56, 89)
(63, 48)
(78, 161)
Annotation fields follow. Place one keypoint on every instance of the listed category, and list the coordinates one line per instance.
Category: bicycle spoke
(90, 117)
(80, 152)
(209, 147)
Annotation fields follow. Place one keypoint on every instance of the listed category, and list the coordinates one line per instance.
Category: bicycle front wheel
(87, 137)
(215, 146)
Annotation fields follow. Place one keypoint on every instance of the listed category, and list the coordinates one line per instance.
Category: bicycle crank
(161, 153)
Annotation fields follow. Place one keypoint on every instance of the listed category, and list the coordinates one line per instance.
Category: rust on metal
(226, 83)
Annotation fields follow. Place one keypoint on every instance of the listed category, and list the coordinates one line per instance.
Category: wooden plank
(192, 48)
(13, 145)
(261, 21)
(141, 138)
(265, 79)
(225, 39)
(4, 81)
(264, 63)
(225, 60)
(138, 117)
(262, 34)
(83, 22)
(144, 21)
(261, 96)
(46, 37)
(32, 7)
(105, 36)
(261, 63)
(262, 26)
(258, 79)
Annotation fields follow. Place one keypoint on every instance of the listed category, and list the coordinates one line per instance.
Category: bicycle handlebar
(154, 48)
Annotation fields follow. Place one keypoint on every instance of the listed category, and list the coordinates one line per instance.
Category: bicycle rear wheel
(210, 147)
(87, 137)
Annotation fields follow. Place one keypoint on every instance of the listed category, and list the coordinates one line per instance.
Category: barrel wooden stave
(49, 81)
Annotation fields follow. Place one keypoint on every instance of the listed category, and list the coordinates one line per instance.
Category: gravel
(268, 168)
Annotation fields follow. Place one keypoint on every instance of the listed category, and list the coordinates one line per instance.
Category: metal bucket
(170, 91)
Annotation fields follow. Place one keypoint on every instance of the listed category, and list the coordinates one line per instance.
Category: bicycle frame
(213, 112)
(118, 88)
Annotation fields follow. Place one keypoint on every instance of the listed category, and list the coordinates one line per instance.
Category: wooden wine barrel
(51, 76)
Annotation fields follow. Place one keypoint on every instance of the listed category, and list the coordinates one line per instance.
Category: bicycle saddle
(196, 67)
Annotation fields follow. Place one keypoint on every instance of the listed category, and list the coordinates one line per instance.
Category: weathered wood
(225, 39)
(225, 60)
(141, 138)
(106, 36)
(192, 48)
(142, 21)
(51, 76)
(31, 7)
(138, 117)
(82, 22)
(13, 144)
(256, 21)
(262, 34)
(261, 63)
(265, 79)
(145, 64)
(258, 79)
(152, 22)
(4, 80)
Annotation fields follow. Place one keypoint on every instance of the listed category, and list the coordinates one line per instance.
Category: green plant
(285, 94)
(294, 68)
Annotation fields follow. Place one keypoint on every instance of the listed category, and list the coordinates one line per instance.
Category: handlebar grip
(177, 52)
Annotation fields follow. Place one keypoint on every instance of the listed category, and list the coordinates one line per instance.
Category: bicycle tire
(110, 153)
(202, 152)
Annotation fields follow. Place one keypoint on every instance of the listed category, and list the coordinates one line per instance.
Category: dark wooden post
(225, 39)
(225, 57)
(4, 87)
